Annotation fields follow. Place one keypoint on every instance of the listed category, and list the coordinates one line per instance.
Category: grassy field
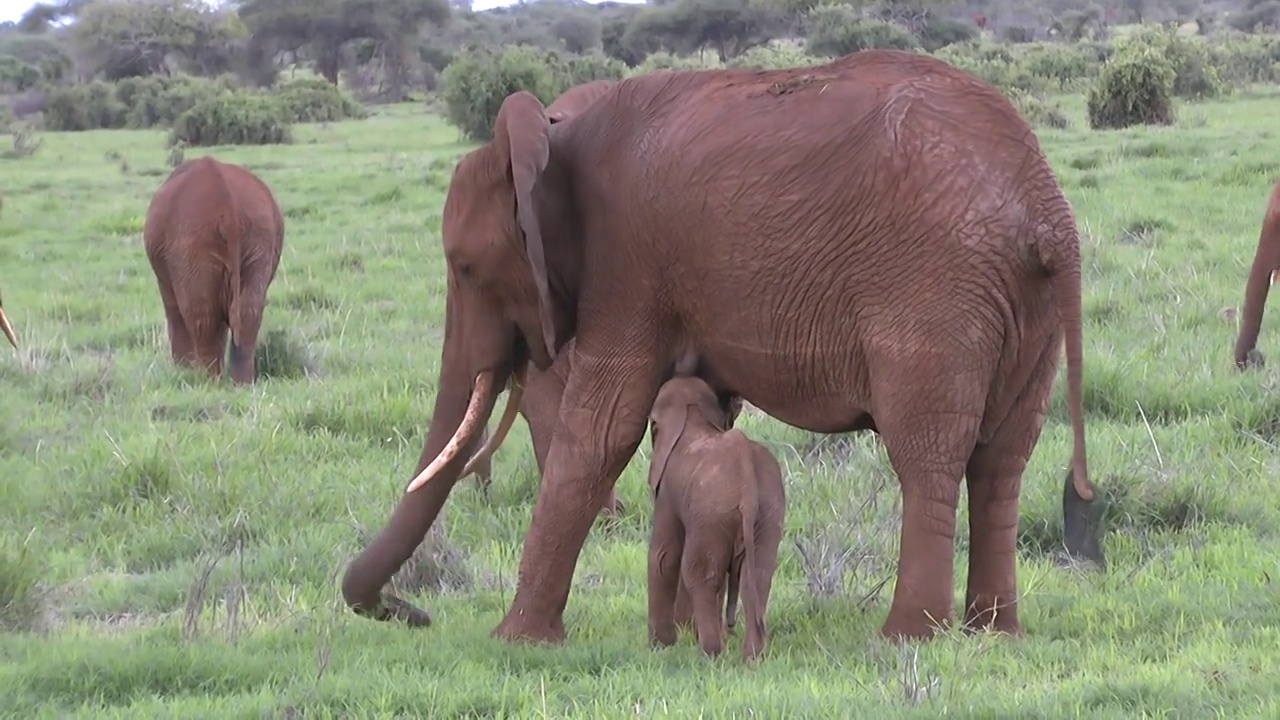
(172, 546)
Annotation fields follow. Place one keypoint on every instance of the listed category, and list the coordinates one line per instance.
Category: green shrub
(479, 79)
(41, 52)
(1039, 111)
(994, 63)
(837, 30)
(1065, 66)
(154, 101)
(1135, 87)
(663, 60)
(308, 100)
(16, 76)
(7, 117)
(233, 119)
(1194, 75)
(775, 57)
(92, 106)
(939, 32)
(1242, 59)
(586, 68)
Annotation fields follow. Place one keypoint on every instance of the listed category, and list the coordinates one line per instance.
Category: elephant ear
(668, 434)
(520, 133)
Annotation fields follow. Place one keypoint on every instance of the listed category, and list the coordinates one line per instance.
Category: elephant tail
(1059, 250)
(749, 509)
(231, 230)
(1264, 272)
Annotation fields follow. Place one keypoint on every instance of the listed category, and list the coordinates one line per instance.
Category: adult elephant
(213, 236)
(1264, 273)
(7, 328)
(874, 243)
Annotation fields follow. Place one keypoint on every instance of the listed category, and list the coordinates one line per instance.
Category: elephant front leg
(602, 420)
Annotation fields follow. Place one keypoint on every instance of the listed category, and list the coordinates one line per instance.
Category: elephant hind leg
(994, 479)
(929, 424)
(703, 571)
(181, 345)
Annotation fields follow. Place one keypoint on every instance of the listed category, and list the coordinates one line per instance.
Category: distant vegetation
(89, 64)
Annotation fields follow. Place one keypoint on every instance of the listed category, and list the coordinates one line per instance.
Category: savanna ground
(172, 546)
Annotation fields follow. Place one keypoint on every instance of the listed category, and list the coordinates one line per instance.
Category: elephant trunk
(1264, 273)
(459, 412)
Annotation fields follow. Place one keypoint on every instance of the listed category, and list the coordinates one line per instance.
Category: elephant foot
(662, 636)
(1254, 360)
(992, 613)
(913, 625)
(391, 608)
(520, 627)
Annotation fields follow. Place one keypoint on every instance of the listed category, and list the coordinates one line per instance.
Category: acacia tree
(124, 38)
(322, 27)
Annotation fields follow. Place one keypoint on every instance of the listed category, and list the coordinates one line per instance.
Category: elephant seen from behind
(214, 235)
(719, 507)
(1264, 273)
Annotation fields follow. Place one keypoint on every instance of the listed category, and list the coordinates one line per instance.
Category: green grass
(171, 546)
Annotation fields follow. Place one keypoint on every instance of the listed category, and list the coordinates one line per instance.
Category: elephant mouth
(485, 388)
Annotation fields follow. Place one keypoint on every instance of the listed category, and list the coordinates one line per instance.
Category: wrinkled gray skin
(719, 506)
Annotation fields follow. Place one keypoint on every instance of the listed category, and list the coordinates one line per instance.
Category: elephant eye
(464, 270)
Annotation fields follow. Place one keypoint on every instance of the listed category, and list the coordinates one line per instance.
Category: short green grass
(172, 546)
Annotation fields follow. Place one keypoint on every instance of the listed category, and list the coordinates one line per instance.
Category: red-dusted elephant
(1264, 273)
(874, 243)
(214, 234)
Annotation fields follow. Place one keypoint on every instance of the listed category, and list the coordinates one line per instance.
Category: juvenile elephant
(719, 506)
(876, 243)
(1264, 273)
(7, 328)
(214, 234)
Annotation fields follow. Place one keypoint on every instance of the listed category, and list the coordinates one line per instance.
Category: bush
(939, 32)
(233, 119)
(586, 68)
(153, 101)
(837, 30)
(1065, 66)
(1242, 59)
(663, 60)
(994, 63)
(317, 100)
(775, 57)
(1194, 75)
(478, 80)
(1135, 87)
(92, 106)
(1040, 112)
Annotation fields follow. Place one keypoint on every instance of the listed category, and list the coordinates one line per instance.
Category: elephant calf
(214, 234)
(719, 505)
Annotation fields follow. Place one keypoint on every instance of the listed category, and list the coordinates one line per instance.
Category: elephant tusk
(1275, 278)
(471, 421)
(504, 425)
(8, 329)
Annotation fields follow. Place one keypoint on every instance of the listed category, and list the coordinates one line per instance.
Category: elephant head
(575, 99)
(1264, 273)
(7, 328)
(513, 260)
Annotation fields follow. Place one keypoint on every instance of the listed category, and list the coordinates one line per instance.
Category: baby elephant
(718, 512)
